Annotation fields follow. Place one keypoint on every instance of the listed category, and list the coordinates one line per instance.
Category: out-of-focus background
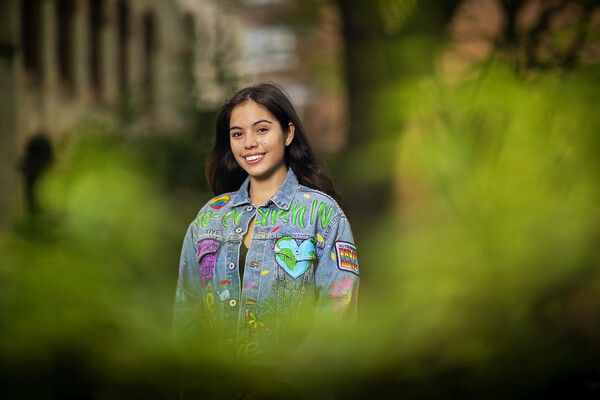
(464, 136)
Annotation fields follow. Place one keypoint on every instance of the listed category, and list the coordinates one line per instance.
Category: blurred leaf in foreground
(487, 276)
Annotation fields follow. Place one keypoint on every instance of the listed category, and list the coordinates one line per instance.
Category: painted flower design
(343, 296)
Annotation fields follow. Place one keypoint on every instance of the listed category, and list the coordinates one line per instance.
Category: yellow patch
(307, 195)
(333, 256)
(320, 238)
(264, 272)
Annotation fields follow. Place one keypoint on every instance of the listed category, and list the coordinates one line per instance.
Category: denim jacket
(301, 267)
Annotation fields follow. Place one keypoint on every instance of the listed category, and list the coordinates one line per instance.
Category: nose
(251, 141)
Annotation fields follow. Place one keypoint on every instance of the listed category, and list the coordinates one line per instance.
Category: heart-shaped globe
(294, 258)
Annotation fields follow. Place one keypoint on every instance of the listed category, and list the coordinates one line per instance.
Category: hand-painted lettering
(276, 214)
(301, 222)
(285, 217)
(298, 215)
(249, 349)
(324, 214)
(313, 211)
(209, 303)
(263, 217)
(236, 219)
(206, 219)
(226, 221)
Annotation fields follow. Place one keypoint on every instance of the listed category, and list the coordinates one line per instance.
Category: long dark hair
(222, 170)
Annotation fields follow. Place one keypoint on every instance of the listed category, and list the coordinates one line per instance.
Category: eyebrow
(254, 124)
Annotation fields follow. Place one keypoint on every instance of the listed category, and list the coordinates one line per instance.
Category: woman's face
(258, 142)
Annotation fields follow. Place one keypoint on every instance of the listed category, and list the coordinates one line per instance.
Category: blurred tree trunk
(370, 30)
(387, 42)
(366, 69)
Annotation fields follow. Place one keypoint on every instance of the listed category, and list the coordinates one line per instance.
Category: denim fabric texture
(301, 268)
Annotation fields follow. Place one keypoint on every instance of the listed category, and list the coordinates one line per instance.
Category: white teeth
(253, 158)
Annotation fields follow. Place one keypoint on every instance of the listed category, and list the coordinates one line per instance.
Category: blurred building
(143, 62)
(218, 29)
(240, 42)
(64, 60)
(299, 45)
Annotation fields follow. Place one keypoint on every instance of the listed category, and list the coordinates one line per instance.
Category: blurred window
(123, 30)
(30, 36)
(96, 25)
(149, 26)
(65, 10)
(269, 48)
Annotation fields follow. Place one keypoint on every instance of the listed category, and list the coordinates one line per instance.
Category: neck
(262, 190)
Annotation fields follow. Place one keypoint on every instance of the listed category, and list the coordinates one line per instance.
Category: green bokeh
(479, 270)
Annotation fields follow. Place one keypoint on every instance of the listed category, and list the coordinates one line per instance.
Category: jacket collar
(282, 198)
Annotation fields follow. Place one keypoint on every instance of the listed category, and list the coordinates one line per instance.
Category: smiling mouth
(254, 158)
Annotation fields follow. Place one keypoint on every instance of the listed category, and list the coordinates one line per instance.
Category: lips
(254, 158)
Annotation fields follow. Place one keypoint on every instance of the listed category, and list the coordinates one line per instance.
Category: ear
(289, 136)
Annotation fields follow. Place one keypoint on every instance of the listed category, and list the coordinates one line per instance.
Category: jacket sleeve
(337, 275)
(189, 316)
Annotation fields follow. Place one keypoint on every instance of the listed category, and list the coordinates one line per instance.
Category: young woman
(272, 255)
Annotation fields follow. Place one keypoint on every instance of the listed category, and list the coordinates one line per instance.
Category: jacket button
(238, 230)
(231, 265)
(232, 302)
(249, 208)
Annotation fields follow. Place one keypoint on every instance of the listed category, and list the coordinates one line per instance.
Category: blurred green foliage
(479, 271)
(179, 159)
(87, 286)
(480, 280)
(484, 276)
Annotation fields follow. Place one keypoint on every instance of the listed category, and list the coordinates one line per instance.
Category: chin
(261, 173)
(258, 174)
